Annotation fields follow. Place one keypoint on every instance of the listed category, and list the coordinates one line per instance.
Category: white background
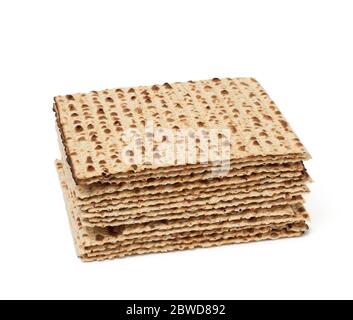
(301, 52)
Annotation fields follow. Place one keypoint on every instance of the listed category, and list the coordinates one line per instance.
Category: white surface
(301, 51)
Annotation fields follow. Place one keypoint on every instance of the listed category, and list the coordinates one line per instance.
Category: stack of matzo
(119, 207)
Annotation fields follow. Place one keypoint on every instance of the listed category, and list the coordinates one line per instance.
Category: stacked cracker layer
(119, 208)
